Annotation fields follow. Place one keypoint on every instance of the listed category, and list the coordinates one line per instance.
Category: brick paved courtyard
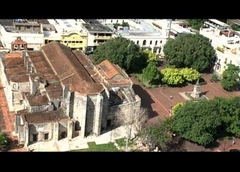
(158, 101)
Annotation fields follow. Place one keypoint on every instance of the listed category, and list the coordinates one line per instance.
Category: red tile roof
(45, 116)
(113, 74)
(37, 100)
(109, 69)
(69, 69)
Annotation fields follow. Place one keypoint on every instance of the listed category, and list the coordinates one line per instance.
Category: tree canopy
(123, 52)
(172, 76)
(229, 110)
(190, 50)
(150, 55)
(230, 77)
(3, 141)
(158, 134)
(197, 121)
(151, 72)
(189, 74)
(196, 23)
(200, 122)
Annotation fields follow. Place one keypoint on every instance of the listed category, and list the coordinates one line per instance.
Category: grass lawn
(109, 147)
(122, 142)
(143, 81)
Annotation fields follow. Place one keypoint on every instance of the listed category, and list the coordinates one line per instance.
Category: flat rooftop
(235, 21)
(8, 24)
(93, 25)
(218, 22)
(45, 116)
(64, 26)
(140, 27)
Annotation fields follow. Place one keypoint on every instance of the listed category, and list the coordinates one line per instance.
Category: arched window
(144, 42)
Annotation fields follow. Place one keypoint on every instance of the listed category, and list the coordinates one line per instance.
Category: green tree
(214, 78)
(3, 141)
(190, 74)
(229, 110)
(196, 23)
(197, 122)
(176, 107)
(151, 72)
(230, 77)
(172, 76)
(150, 55)
(190, 50)
(158, 134)
(123, 52)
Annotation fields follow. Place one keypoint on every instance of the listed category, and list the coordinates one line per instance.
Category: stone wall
(41, 130)
(34, 84)
(98, 115)
(21, 134)
(91, 105)
(38, 108)
(24, 87)
(105, 111)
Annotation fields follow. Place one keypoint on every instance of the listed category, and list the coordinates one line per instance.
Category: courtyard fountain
(194, 95)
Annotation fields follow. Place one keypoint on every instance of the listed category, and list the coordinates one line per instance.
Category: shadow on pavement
(146, 100)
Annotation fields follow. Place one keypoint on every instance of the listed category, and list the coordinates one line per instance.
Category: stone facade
(58, 93)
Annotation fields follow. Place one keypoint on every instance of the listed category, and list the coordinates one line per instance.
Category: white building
(227, 47)
(97, 33)
(29, 31)
(145, 33)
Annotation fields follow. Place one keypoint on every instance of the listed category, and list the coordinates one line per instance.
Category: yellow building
(75, 40)
(73, 36)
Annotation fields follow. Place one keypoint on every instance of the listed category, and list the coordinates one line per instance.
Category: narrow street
(7, 119)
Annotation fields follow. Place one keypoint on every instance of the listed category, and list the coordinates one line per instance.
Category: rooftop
(45, 116)
(140, 27)
(40, 63)
(19, 78)
(63, 26)
(235, 21)
(37, 100)
(93, 25)
(16, 70)
(113, 73)
(13, 62)
(9, 25)
(69, 69)
(218, 22)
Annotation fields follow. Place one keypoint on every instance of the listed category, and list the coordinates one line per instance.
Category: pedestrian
(233, 142)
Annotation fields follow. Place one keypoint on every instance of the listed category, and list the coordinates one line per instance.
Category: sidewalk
(77, 142)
